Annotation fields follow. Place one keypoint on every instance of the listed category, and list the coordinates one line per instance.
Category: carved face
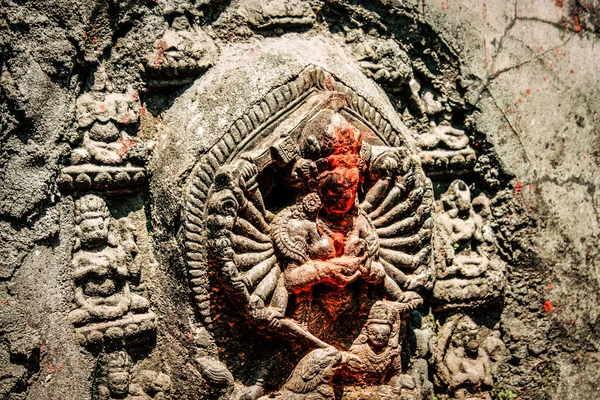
(463, 195)
(93, 231)
(338, 189)
(118, 383)
(379, 334)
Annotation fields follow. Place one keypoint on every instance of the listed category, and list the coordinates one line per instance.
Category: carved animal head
(315, 369)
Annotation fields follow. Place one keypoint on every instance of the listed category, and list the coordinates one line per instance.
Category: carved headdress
(382, 312)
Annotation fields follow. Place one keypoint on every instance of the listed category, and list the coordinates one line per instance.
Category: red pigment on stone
(548, 306)
(518, 187)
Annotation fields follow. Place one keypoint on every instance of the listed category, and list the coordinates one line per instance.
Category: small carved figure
(101, 266)
(115, 380)
(467, 355)
(100, 113)
(466, 270)
(115, 376)
(375, 354)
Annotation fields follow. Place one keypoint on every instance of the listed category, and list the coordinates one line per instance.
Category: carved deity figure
(117, 381)
(467, 355)
(357, 231)
(115, 375)
(326, 242)
(375, 354)
(102, 266)
(102, 116)
(466, 270)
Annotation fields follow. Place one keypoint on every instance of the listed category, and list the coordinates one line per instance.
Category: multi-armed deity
(352, 230)
(310, 229)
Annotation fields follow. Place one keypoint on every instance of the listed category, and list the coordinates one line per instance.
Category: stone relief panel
(110, 158)
(111, 255)
(311, 224)
(467, 357)
(468, 272)
(105, 274)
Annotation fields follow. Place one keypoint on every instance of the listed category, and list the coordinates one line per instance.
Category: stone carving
(109, 158)
(312, 377)
(117, 381)
(385, 62)
(272, 14)
(103, 273)
(466, 357)
(422, 99)
(445, 150)
(180, 55)
(468, 274)
(301, 271)
(115, 375)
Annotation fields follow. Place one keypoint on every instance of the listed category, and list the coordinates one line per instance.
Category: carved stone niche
(106, 278)
(469, 273)
(308, 236)
(109, 159)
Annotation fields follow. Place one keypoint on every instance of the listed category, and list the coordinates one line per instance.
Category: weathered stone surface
(139, 104)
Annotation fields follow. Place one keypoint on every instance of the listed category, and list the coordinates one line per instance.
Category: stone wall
(112, 110)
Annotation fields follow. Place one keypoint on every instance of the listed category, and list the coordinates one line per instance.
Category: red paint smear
(576, 21)
(550, 287)
(571, 71)
(548, 307)
(519, 100)
(544, 78)
(518, 187)
(528, 91)
(559, 3)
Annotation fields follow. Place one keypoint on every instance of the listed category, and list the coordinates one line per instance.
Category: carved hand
(343, 272)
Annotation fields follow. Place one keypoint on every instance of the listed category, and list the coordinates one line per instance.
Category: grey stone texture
(520, 78)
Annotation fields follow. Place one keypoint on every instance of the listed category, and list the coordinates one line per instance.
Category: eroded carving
(446, 150)
(103, 271)
(116, 380)
(468, 273)
(180, 55)
(110, 158)
(467, 357)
